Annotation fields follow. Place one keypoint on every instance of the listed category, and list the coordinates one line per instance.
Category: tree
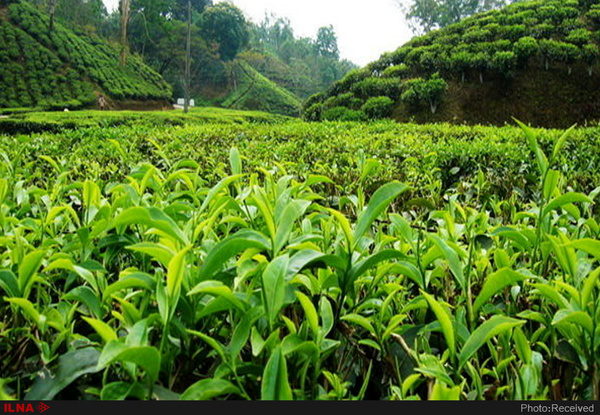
(326, 43)
(51, 13)
(124, 10)
(225, 25)
(426, 15)
(188, 60)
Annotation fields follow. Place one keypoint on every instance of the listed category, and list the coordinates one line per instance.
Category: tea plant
(259, 283)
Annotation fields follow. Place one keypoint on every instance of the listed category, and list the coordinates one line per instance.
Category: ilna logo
(25, 407)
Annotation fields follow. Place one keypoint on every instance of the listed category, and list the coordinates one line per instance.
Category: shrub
(378, 107)
(430, 91)
(313, 112)
(343, 114)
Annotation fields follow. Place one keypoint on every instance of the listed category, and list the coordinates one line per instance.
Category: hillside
(60, 69)
(255, 92)
(247, 89)
(534, 60)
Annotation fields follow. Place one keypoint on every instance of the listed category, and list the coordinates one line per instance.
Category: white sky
(365, 28)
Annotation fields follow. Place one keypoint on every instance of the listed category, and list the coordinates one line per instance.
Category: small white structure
(181, 103)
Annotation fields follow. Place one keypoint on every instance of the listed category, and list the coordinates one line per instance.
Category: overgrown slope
(534, 60)
(58, 68)
(249, 90)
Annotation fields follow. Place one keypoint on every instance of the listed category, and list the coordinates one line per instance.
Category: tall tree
(225, 26)
(326, 43)
(51, 13)
(124, 9)
(188, 60)
(426, 15)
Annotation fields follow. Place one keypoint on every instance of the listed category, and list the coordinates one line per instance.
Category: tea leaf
(380, 200)
(207, 389)
(274, 384)
(494, 283)
(445, 320)
(490, 328)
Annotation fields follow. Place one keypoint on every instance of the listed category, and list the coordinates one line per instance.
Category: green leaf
(67, 264)
(217, 189)
(217, 347)
(310, 312)
(380, 200)
(560, 142)
(28, 268)
(103, 329)
(152, 217)
(85, 295)
(451, 258)
(492, 327)
(159, 252)
(235, 161)
(207, 389)
(368, 263)
(146, 357)
(566, 199)
(552, 294)
(445, 320)
(275, 385)
(327, 318)
(345, 225)
(551, 183)
(542, 161)
(294, 210)
(522, 345)
(9, 283)
(306, 257)
(494, 283)
(116, 391)
(221, 253)
(71, 366)
(218, 289)
(29, 310)
(360, 321)
(514, 235)
(591, 246)
(579, 318)
(273, 285)
(133, 280)
(442, 392)
(588, 286)
(175, 274)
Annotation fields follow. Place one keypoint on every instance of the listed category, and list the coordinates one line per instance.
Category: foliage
(155, 268)
(64, 69)
(427, 15)
(378, 107)
(421, 90)
(225, 24)
(494, 47)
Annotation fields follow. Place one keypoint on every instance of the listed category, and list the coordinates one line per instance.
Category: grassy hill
(534, 60)
(60, 69)
(247, 89)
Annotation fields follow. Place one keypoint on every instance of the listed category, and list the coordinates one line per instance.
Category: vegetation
(60, 69)
(534, 60)
(161, 262)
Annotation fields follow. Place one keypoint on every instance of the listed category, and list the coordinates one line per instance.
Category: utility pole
(188, 47)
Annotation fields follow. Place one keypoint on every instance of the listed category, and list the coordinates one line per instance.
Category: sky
(365, 28)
